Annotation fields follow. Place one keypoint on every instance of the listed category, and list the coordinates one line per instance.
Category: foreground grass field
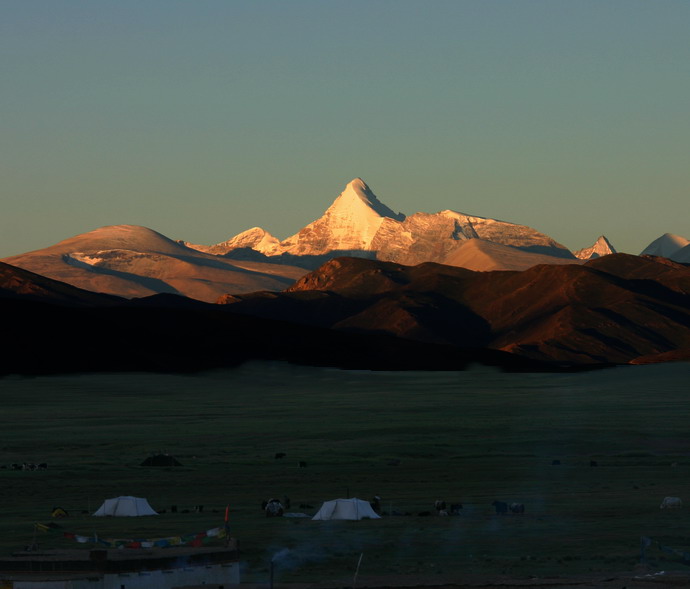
(411, 438)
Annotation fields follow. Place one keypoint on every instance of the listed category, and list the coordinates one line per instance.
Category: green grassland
(468, 437)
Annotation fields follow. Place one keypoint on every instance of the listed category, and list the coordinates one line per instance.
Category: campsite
(412, 438)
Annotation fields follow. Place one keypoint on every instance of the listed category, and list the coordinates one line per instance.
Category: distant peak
(358, 190)
(358, 184)
(602, 247)
(666, 245)
(603, 240)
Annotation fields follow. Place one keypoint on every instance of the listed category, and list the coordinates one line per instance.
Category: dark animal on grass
(302, 464)
(274, 508)
(593, 463)
(455, 508)
(517, 508)
(500, 506)
(555, 462)
(16, 466)
(280, 455)
(439, 505)
(42, 466)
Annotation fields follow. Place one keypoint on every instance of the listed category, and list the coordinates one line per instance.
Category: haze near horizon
(202, 120)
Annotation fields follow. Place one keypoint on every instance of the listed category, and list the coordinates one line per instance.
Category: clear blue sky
(202, 118)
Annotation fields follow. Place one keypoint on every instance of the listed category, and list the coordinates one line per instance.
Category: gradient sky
(203, 118)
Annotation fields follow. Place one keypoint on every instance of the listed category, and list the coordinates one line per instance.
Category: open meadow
(412, 438)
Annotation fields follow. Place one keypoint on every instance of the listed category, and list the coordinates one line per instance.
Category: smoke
(317, 545)
(281, 555)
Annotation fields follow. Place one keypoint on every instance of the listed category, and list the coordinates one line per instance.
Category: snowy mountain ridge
(358, 223)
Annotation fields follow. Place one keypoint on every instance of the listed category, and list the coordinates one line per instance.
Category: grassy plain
(468, 437)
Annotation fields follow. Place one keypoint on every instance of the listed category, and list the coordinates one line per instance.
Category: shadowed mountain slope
(16, 283)
(57, 328)
(609, 310)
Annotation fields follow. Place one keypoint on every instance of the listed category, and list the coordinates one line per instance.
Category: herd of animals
(276, 507)
(25, 466)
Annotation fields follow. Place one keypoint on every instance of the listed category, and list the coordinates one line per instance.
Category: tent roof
(350, 509)
(125, 506)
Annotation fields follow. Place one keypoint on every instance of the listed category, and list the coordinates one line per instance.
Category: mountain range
(359, 224)
(133, 261)
(360, 287)
(616, 308)
(366, 314)
(53, 327)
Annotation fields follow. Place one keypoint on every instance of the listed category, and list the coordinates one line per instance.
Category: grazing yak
(273, 508)
(671, 503)
(439, 506)
(501, 506)
(517, 507)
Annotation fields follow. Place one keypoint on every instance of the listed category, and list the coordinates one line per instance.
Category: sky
(203, 118)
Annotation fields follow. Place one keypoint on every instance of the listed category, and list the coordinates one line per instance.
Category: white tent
(346, 509)
(125, 506)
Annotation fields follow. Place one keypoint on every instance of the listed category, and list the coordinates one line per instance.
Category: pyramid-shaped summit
(349, 225)
(359, 199)
(601, 247)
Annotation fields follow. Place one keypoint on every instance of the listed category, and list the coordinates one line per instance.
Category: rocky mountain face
(359, 224)
(615, 308)
(132, 261)
(601, 247)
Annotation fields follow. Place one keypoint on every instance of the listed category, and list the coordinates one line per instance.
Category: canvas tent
(352, 509)
(125, 506)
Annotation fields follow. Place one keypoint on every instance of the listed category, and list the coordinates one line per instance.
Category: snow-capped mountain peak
(357, 223)
(359, 201)
(348, 225)
(665, 246)
(602, 247)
